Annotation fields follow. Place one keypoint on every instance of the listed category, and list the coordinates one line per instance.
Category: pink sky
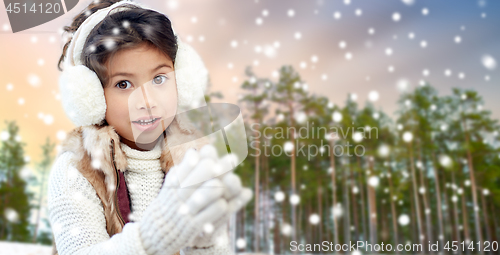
(309, 40)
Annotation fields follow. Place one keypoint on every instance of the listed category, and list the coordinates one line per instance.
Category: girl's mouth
(146, 125)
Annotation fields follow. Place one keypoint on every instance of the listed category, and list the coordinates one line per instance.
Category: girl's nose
(145, 99)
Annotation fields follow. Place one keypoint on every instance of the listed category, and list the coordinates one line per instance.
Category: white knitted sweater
(76, 213)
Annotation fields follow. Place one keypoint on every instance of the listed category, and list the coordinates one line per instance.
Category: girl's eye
(160, 79)
(123, 85)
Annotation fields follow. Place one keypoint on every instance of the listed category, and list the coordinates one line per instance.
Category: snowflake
(348, 56)
(354, 97)
(259, 21)
(34, 80)
(489, 62)
(48, 119)
(403, 220)
(314, 219)
(279, 196)
(342, 44)
(388, 51)
(173, 4)
(407, 136)
(286, 229)
(447, 72)
(109, 44)
(314, 59)
(357, 137)
(426, 72)
(373, 181)
(297, 35)
(403, 85)
(208, 228)
(337, 15)
(294, 199)
(396, 17)
(61, 135)
(373, 95)
(234, 43)
(5, 27)
(241, 243)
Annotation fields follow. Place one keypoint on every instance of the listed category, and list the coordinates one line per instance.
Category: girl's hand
(215, 233)
(177, 215)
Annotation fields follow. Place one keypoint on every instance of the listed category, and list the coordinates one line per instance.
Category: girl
(125, 76)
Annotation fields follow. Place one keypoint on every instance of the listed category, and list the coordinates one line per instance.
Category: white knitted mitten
(177, 215)
(215, 234)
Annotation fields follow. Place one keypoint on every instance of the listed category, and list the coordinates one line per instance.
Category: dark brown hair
(124, 30)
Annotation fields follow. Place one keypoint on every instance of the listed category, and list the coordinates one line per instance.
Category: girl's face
(141, 96)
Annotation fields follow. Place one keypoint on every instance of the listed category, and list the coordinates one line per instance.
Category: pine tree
(14, 206)
(43, 168)
(288, 92)
(256, 100)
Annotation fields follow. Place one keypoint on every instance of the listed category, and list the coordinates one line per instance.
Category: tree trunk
(320, 210)
(39, 206)
(346, 211)
(438, 199)
(455, 215)
(393, 209)
(294, 218)
(448, 230)
(334, 194)
(486, 221)
(363, 205)
(427, 208)
(267, 210)
(415, 196)
(477, 220)
(372, 207)
(465, 221)
(355, 208)
(256, 195)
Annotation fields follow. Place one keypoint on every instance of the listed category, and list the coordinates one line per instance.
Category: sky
(382, 47)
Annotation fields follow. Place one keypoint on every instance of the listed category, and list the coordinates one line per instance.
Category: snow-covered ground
(10, 248)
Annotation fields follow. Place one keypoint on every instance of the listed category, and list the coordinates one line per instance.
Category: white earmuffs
(82, 94)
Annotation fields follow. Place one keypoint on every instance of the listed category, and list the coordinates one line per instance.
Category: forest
(321, 171)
